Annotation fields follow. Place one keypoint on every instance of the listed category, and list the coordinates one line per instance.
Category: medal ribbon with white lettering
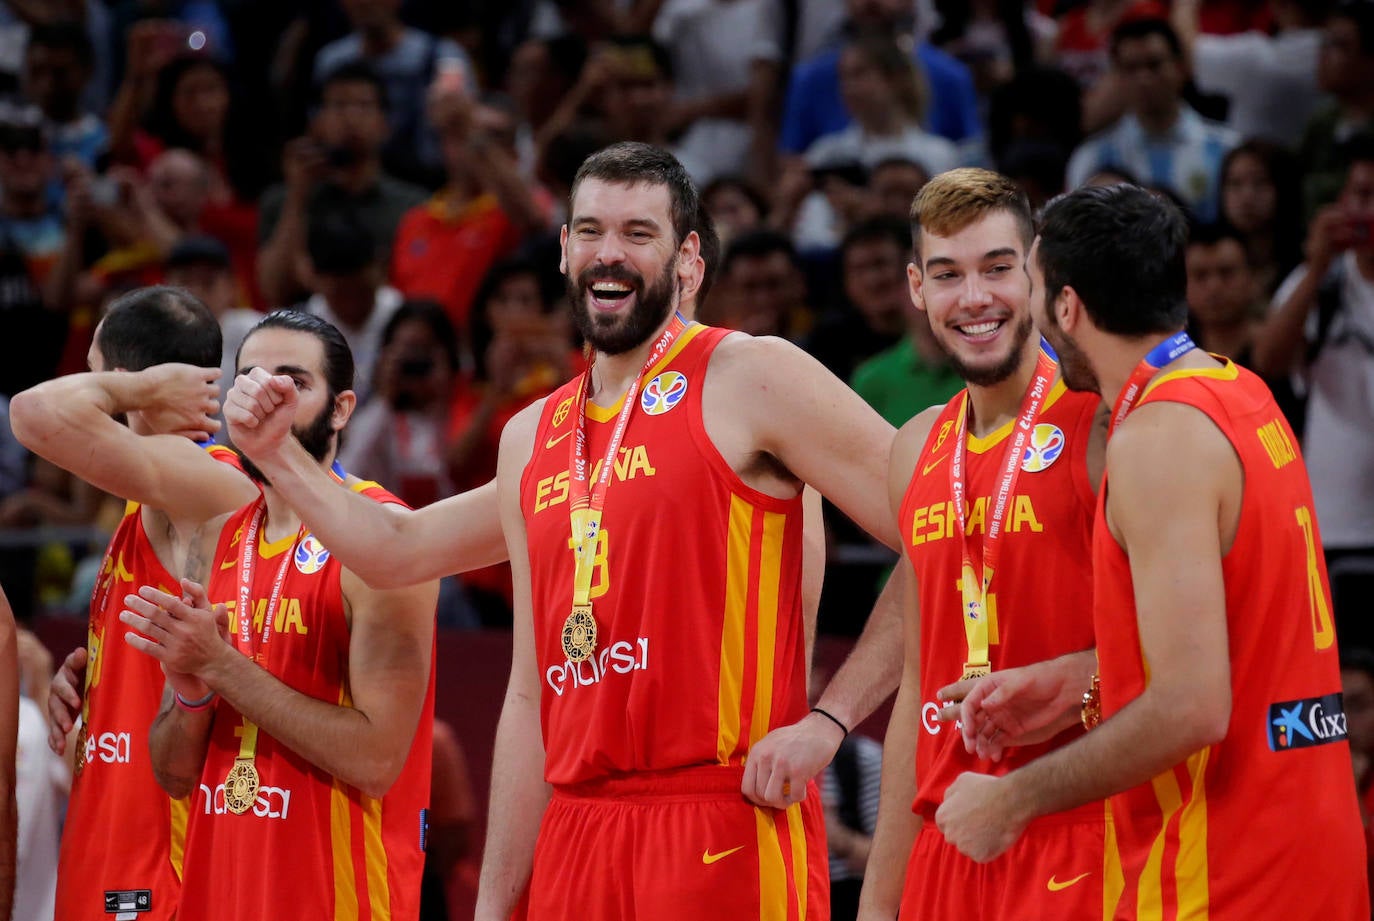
(1168, 351)
(241, 783)
(586, 500)
(975, 590)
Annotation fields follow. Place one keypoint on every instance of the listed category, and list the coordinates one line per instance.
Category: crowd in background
(402, 169)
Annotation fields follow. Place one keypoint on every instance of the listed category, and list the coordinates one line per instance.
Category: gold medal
(579, 634)
(976, 671)
(80, 753)
(241, 786)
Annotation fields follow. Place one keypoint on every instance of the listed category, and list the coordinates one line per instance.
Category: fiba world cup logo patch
(311, 556)
(663, 393)
(561, 412)
(1046, 444)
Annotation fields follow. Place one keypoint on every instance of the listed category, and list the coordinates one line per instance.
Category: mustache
(592, 274)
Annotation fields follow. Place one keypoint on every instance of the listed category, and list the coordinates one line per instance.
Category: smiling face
(972, 285)
(618, 236)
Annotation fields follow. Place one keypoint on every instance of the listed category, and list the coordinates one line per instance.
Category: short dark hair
(479, 326)
(338, 357)
(1121, 248)
(432, 315)
(1212, 233)
(1133, 28)
(1358, 148)
(158, 324)
(632, 163)
(64, 35)
(756, 244)
(198, 250)
(881, 228)
(339, 243)
(354, 72)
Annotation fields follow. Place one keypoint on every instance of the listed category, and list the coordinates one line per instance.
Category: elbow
(1205, 719)
(175, 785)
(378, 774)
(27, 410)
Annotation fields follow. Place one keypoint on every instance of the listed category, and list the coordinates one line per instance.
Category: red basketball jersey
(1265, 823)
(696, 593)
(311, 846)
(123, 838)
(1039, 606)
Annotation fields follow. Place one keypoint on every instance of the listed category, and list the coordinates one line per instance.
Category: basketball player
(994, 497)
(1222, 741)
(694, 583)
(304, 734)
(123, 836)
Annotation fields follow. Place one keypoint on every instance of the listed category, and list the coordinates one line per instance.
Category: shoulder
(742, 358)
(520, 430)
(1163, 437)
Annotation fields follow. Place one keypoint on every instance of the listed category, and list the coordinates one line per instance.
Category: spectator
(1082, 50)
(1270, 81)
(893, 184)
(1260, 199)
(1321, 325)
(1041, 105)
(347, 279)
(1345, 69)
(18, 19)
(995, 39)
(202, 266)
(336, 168)
(727, 57)
(735, 206)
(628, 84)
(814, 105)
(407, 61)
(174, 99)
(33, 240)
(873, 258)
(1160, 139)
(1223, 293)
(58, 64)
(763, 290)
(542, 73)
(401, 435)
(445, 246)
(909, 377)
(451, 843)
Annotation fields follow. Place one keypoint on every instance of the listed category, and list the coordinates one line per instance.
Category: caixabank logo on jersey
(1295, 724)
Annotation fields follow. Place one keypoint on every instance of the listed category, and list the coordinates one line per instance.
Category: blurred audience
(1223, 293)
(1260, 199)
(1345, 70)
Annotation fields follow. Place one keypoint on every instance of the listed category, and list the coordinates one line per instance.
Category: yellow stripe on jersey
(796, 833)
(374, 851)
(772, 870)
(180, 810)
(1113, 878)
(1190, 868)
(341, 844)
(732, 631)
(607, 413)
(770, 574)
(1150, 898)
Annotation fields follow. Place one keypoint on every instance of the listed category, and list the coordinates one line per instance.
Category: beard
(317, 437)
(1074, 367)
(618, 334)
(989, 375)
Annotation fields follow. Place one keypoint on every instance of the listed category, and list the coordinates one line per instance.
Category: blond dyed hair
(956, 199)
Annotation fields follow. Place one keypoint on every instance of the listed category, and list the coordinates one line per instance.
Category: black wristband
(843, 727)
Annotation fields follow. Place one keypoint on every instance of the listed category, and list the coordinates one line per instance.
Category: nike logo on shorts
(708, 858)
(1054, 885)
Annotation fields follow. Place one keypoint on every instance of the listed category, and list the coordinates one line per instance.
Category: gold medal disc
(579, 634)
(80, 753)
(976, 671)
(241, 786)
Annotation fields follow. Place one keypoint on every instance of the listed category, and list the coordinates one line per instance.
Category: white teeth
(979, 329)
(611, 287)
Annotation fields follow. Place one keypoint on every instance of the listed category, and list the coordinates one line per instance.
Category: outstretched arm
(519, 794)
(71, 421)
(386, 545)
